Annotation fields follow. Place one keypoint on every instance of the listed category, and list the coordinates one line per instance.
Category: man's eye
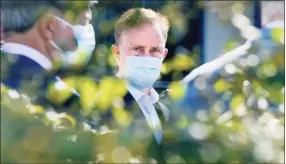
(156, 50)
(138, 49)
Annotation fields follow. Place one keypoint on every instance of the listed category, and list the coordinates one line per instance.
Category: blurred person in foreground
(41, 41)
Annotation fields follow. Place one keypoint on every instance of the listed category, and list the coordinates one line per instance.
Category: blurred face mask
(142, 72)
(85, 38)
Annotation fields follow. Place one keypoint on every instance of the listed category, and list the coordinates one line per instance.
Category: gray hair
(19, 16)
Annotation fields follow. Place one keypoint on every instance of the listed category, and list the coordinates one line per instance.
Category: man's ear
(116, 53)
(165, 52)
(47, 26)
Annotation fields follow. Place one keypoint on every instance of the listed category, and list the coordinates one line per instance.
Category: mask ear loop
(55, 46)
(57, 58)
(64, 22)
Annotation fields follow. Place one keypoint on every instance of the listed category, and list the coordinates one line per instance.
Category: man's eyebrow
(136, 46)
(159, 47)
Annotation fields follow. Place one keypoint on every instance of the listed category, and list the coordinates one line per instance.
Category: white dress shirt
(29, 52)
(146, 103)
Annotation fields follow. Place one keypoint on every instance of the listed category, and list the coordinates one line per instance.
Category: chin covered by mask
(86, 43)
(84, 35)
(142, 72)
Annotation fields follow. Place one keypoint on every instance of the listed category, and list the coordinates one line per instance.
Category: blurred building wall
(217, 32)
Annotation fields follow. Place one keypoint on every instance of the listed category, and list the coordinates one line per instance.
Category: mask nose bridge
(147, 54)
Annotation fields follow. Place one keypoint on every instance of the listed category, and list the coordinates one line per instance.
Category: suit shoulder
(163, 94)
(165, 99)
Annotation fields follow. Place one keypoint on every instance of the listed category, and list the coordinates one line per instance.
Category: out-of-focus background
(242, 114)
(200, 31)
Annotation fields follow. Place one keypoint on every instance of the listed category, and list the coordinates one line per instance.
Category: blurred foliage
(252, 130)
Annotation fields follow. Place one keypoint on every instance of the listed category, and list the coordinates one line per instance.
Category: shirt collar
(29, 52)
(137, 94)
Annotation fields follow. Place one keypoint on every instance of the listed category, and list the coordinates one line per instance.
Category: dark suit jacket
(137, 136)
(26, 76)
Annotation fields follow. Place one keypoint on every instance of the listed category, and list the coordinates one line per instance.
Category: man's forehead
(145, 41)
(143, 36)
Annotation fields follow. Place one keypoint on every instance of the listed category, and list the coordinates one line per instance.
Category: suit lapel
(132, 106)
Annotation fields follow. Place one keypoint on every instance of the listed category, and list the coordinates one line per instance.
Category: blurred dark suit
(27, 76)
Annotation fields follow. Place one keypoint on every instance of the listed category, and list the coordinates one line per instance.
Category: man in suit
(139, 50)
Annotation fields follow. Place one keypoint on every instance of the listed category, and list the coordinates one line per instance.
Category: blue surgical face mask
(84, 35)
(64, 24)
(142, 72)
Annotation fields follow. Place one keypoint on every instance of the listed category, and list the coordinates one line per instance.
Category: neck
(31, 39)
(147, 91)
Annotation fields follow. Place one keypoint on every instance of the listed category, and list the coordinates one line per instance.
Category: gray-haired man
(37, 36)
